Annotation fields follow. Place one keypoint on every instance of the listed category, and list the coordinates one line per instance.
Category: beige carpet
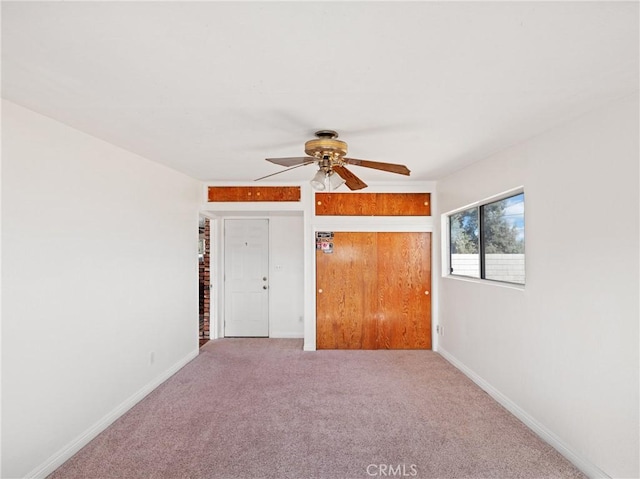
(263, 408)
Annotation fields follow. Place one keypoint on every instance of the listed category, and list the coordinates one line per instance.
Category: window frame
(479, 206)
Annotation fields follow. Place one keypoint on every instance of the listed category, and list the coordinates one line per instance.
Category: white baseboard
(280, 335)
(587, 467)
(59, 458)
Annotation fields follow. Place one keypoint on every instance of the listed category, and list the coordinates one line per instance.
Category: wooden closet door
(371, 292)
(345, 293)
(404, 291)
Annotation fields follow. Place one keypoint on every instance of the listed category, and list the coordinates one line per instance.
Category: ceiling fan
(329, 154)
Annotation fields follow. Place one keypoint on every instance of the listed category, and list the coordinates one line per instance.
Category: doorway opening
(204, 275)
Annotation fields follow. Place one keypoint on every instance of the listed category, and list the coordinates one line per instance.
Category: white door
(246, 285)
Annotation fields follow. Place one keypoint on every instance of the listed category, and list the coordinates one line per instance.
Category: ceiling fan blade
(390, 167)
(283, 171)
(351, 180)
(300, 160)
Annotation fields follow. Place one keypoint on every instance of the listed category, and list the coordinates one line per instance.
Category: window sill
(469, 279)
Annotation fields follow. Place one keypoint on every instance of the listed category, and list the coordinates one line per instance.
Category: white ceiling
(212, 88)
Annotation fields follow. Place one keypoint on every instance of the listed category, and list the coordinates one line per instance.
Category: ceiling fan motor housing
(326, 145)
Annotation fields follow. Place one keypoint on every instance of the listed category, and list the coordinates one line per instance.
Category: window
(465, 243)
(487, 241)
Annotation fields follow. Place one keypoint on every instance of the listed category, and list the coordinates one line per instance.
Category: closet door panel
(404, 291)
(346, 293)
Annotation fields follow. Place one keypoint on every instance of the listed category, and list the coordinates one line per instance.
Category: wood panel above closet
(373, 204)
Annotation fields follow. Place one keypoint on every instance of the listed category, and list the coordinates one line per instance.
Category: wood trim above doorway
(253, 193)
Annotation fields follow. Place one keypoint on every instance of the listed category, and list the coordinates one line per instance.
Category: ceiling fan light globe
(334, 181)
(317, 182)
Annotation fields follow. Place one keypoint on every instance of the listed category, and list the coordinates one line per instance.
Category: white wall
(99, 257)
(286, 284)
(563, 351)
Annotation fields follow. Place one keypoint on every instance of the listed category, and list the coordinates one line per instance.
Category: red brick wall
(205, 290)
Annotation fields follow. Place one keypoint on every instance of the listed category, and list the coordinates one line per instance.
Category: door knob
(264, 278)
(265, 287)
